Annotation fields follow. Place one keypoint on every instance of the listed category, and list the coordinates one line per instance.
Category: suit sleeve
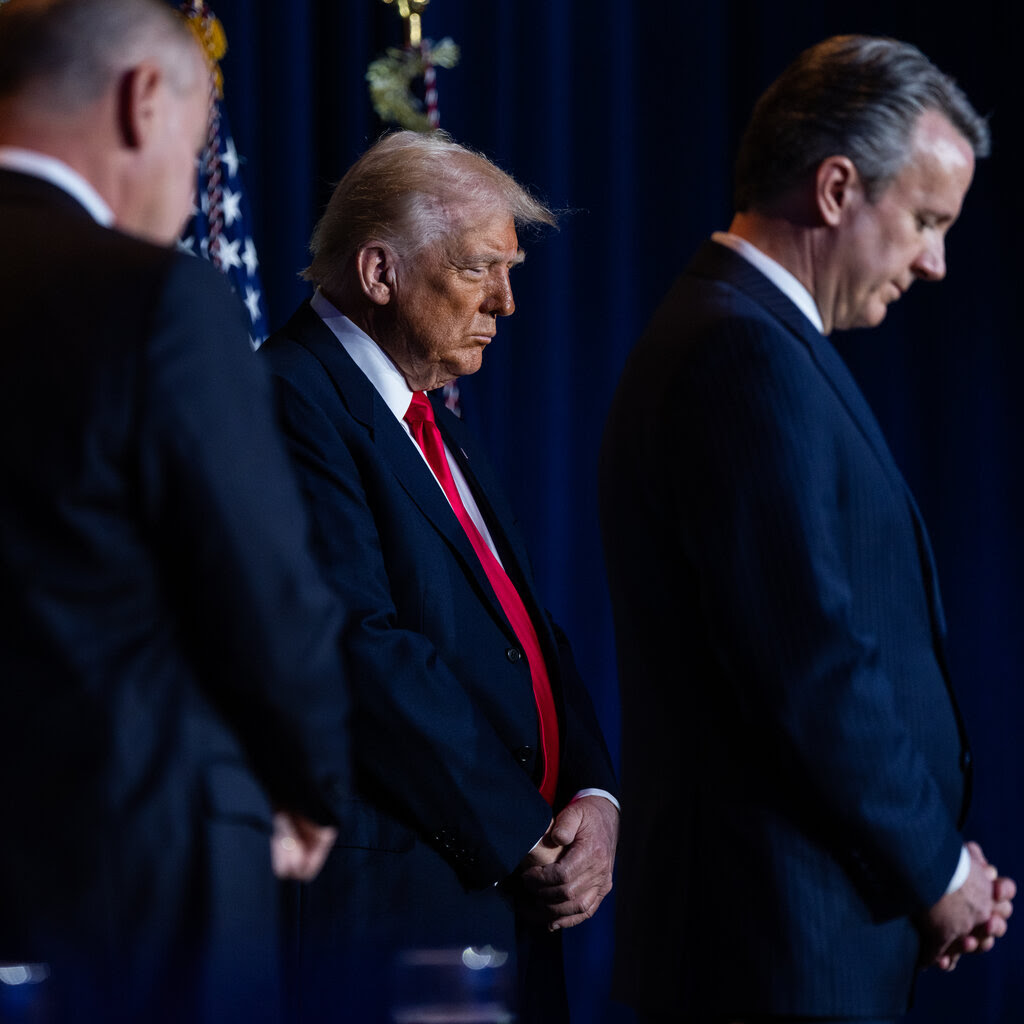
(226, 516)
(423, 746)
(763, 495)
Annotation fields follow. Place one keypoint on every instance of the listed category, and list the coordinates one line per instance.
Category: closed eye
(931, 220)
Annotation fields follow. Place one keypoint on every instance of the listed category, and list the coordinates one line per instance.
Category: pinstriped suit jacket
(785, 695)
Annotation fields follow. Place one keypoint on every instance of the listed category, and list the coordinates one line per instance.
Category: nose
(500, 301)
(930, 264)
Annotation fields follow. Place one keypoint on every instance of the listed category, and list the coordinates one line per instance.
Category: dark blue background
(626, 116)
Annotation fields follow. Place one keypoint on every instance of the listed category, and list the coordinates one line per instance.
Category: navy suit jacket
(785, 698)
(168, 654)
(445, 723)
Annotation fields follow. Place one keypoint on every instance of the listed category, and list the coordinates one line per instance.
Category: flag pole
(391, 77)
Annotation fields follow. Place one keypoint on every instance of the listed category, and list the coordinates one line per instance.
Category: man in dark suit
(477, 751)
(795, 768)
(169, 667)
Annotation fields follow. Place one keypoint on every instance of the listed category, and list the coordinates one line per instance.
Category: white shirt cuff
(597, 792)
(963, 869)
(600, 792)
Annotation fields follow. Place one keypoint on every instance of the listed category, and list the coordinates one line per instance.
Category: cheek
(873, 274)
(449, 325)
(181, 181)
(190, 186)
(183, 187)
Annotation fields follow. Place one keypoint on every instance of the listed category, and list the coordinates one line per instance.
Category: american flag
(219, 229)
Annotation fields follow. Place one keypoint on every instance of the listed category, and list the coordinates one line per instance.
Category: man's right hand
(546, 851)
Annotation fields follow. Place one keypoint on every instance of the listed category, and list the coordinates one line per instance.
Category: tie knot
(420, 409)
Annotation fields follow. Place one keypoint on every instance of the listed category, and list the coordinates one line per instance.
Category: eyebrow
(491, 259)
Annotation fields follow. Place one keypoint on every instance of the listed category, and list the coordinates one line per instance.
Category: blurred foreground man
(474, 736)
(787, 714)
(168, 656)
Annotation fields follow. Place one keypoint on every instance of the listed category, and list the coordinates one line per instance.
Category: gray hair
(854, 96)
(75, 49)
(411, 190)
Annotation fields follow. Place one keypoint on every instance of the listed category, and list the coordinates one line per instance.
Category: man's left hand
(569, 891)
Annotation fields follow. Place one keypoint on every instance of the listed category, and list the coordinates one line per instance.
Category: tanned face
(447, 300)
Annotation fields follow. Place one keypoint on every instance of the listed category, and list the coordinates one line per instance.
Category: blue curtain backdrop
(626, 117)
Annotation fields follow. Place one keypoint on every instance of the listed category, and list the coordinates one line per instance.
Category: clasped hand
(298, 846)
(569, 872)
(970, 919)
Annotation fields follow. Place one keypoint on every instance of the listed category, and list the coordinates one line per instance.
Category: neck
(75, 141)
(796, 245)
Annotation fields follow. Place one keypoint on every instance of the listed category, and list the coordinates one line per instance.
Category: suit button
(523, 755)
(966, 759)
(445, 838)
(513, 654)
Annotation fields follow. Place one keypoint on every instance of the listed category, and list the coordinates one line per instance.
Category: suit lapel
(397, 449)
(718, 261)
(500, 521)
(489, 497)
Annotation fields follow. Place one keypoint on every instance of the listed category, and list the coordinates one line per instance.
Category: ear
(137, 103)
(376, 265)
(837, 187)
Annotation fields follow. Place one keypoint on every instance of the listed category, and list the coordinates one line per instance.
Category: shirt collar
(367, 355)
(56, 172)
(776, 273)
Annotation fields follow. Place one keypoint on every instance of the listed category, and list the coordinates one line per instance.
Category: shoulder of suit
(298, 350)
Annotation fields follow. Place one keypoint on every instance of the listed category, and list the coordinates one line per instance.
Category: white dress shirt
(391, 386)
(776, 273)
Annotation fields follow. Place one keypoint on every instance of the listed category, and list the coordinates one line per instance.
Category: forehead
(940, 162)
(484, 233)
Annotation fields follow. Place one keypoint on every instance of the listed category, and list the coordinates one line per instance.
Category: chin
(467, 366)
(868, 318)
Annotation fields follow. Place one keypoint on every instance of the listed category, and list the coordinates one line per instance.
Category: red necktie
(420, 418)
